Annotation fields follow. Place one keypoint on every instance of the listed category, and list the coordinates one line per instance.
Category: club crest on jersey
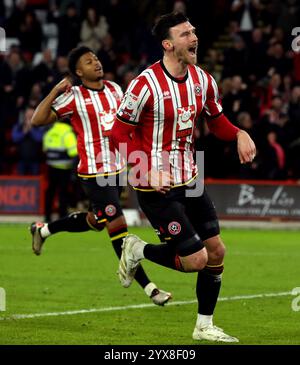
(110, 210)
(174, 228)
(197, 89)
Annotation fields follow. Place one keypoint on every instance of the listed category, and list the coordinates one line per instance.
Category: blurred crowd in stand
(245, 44)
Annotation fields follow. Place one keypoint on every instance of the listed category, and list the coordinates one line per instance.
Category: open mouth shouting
(192, 51)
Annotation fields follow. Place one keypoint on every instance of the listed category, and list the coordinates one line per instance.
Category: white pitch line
(137, 306)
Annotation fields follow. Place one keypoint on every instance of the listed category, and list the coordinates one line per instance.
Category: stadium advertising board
(255, 199)
(21, 195)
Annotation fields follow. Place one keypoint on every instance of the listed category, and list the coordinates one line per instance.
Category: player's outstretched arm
(245, 147)
(43, 113)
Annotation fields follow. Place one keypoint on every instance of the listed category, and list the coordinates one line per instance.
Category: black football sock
(117, 240)
(164, 255)
(74, 222)
(208, 288)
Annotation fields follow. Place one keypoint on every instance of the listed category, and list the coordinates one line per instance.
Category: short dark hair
(165, 22)
(74, 56)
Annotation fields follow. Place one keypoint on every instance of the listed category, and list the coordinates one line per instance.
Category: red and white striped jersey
(164, 111)
(92, 113)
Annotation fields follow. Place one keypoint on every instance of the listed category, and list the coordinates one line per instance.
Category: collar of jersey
(181, 80)
(90, 88)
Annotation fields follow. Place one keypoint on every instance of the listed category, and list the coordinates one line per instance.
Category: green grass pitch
(78, 272)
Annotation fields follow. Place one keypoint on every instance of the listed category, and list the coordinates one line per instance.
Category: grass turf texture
(78, 271)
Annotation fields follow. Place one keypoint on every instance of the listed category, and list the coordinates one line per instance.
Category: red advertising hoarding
(21, 195)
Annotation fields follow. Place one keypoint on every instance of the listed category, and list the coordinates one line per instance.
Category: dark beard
(99, 78)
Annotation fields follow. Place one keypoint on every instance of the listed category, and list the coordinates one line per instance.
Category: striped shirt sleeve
(63, 105)
(212, 106)
(117, 88)
(133, 101)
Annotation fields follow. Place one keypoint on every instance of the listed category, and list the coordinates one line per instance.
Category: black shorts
(104, 201)
(184, 222)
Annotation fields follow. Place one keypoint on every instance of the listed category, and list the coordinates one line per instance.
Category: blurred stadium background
(249, 53)
(248, 49)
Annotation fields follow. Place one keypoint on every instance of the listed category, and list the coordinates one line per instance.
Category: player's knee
(217, 255)
(196, 261)
(201, 260)
(215, 249)
(94, 223)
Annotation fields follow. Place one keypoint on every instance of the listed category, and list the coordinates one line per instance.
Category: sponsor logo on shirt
(186, 115)
(107, 119)
(167, 95)
(129, 106)
(131, 101)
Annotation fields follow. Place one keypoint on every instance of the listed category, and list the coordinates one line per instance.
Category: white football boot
(212, 333)
(158, 296)
(132, 254)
